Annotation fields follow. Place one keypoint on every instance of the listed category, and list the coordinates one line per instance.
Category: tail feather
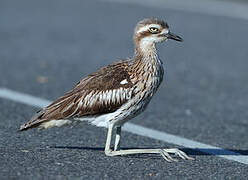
(35, 121)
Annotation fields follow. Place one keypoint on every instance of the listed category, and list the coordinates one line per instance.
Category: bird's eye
(153, 30)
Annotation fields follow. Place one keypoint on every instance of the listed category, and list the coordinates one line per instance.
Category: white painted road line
(136, 129)
(23, 98)
(237, 9)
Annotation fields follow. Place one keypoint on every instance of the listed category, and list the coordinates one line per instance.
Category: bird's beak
(174, 37)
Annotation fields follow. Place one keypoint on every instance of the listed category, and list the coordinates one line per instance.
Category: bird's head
(151, 30)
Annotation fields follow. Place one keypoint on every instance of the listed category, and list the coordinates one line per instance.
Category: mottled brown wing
(101, 92)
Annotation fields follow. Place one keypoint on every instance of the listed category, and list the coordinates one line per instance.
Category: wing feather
(98, 93)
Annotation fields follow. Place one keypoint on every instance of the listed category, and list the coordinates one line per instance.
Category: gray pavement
(47, 46)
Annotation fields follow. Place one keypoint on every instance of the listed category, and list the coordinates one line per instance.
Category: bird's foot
(166, 154)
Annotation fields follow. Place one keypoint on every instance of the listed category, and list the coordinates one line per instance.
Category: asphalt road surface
(47, 46)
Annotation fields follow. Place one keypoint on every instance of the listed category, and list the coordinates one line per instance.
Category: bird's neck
(146, 53)
(147, 68)
(146, 59)
(145, 50)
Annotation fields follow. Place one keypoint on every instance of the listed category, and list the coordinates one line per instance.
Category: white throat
(147, 47)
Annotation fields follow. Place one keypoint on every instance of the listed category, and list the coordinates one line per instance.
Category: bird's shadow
(189, 151)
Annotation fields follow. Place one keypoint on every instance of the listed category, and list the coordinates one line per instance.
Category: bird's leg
(163, 152)
(117, 138)
(108, 141)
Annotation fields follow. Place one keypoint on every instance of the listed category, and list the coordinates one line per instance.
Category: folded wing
(99, 93)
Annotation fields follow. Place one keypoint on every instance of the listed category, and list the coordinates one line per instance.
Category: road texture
(47, 46)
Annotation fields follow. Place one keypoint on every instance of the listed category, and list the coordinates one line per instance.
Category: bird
(115, 93)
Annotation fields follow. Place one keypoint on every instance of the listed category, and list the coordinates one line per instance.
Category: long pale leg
(108, 141)
(117, 138)
(163, 152)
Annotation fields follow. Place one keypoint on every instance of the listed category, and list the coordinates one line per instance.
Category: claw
(178, 152)
(183, 155)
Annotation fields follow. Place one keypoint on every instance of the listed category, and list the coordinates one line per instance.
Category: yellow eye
(153, 30)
